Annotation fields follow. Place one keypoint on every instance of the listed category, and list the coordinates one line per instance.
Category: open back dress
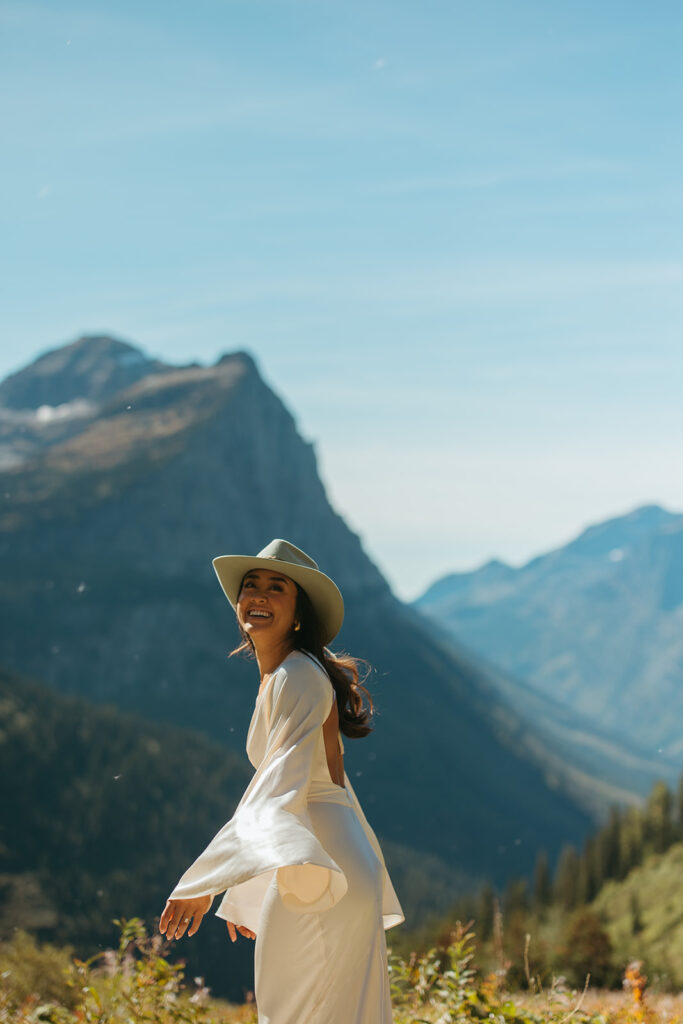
(302, 867)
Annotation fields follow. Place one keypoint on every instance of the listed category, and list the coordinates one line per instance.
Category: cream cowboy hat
(295, 563)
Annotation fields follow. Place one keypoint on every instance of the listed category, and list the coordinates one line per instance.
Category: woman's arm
(270, 829)
(178, 914)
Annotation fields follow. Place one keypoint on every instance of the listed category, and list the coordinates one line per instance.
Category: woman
(303, 870)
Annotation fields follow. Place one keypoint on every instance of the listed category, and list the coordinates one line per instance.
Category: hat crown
(283, 551)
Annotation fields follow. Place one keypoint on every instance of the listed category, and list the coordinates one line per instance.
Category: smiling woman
(266, 600)
(303, 869)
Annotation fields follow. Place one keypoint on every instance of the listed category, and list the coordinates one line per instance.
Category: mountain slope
(101, 813)
(108, 591)
(594, 764)
(595, 625)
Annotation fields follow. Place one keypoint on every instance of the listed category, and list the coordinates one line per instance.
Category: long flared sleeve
(271, 830)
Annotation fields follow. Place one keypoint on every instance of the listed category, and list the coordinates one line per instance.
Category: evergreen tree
(587, 949)
(484, 917)
(630, 841)
(658, 824)
(679, 810)
(515, 897)
(542, 884)
(589, 882)
(565, 884)
(607, 849)
(636, 919)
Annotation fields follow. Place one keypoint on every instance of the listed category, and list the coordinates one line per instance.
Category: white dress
(302, 867)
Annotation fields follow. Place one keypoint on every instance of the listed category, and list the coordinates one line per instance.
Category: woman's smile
(266, 604)
(258, 613)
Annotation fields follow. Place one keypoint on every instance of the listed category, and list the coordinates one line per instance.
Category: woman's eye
(276, 586)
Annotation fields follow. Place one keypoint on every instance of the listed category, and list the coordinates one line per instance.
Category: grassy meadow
(136, 983)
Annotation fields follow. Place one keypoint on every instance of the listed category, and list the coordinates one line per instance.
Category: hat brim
(323, 592)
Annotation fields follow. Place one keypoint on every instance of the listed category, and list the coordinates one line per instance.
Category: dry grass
(613, 1006)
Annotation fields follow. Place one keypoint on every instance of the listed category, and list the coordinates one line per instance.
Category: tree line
(628, 836)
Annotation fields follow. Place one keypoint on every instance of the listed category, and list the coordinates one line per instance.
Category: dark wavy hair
(354, 703)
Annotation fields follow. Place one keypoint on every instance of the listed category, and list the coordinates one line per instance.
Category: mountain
(593, 764)
(89, 369)
(595, 625)
(45, 402)
(107, 591)
(95, 825)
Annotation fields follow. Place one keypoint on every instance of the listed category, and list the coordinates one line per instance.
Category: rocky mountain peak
(619, 533)
(92, 368)
(240, 356)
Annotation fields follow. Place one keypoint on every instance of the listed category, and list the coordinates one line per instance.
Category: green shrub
(441, 984)
(33, 973)
(131, 985)
(587, 949)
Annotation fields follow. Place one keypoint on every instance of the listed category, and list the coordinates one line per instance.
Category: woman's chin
(257, 631)
(257, 628)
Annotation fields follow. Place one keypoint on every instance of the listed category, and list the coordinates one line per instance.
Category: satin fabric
(302, 867)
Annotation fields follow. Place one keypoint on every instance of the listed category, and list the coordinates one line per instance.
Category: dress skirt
(327, 967)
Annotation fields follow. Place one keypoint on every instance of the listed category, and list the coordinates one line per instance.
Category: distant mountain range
(121, 483)
(595, 625)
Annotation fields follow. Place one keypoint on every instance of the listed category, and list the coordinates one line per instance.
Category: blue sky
(450, 233)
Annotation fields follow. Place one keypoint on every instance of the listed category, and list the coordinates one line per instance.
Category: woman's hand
(232, 928)
(178, 914)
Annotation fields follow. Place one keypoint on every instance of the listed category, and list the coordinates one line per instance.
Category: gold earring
(297, 627)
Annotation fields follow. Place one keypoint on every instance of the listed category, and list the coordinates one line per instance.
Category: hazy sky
(450, 233)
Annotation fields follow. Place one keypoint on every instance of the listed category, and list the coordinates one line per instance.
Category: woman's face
(266, 605)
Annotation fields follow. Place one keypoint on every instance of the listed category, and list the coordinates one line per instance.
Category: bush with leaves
(443, 987)
(33, 973)
(133, 983)
(587, 949)
(439, 987)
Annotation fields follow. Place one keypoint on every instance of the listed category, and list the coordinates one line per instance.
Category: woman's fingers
(247, 932)
(167, 915)
(170, 915)
(198, 917)
(183, 924)
(177, 920)
(178, 914)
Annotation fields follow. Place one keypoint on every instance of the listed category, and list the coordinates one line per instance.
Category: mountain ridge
(108, 591)
(90, 368)
(596, 624)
